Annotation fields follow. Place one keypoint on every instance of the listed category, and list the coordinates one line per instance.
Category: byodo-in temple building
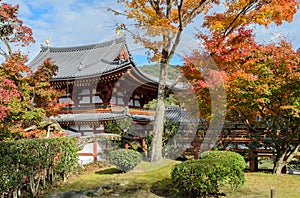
(98, 81)
(89, 75)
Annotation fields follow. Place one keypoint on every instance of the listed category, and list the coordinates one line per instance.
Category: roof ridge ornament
(119, 29)
(47, 42)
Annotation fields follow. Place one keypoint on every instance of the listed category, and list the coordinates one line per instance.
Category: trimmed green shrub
(205, 176)
(124, 159)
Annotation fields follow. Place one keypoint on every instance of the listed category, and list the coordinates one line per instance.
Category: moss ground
(154, 180)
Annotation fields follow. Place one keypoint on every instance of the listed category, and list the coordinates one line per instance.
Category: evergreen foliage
(124, 159)
(205, 176)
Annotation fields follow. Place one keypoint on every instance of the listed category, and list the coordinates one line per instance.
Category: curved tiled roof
(88, 117)
(177, 114)
(92, 60)
(84, 61)
(173, 113)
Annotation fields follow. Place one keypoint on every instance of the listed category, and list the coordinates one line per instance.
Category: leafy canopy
(26, 96)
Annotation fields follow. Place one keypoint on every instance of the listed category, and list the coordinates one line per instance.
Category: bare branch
(230, 27)
(2, 52)
(6, 42)
(176, 43)
(174, 83)
(179, 16)
(155, 5)
(192, 13)
(116, 12)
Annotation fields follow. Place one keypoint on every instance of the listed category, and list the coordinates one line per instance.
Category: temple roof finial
(47, 42)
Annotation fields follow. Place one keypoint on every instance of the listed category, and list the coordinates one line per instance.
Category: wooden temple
(96, 80)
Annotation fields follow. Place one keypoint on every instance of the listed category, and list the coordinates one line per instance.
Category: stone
(97, 192)
(70, 194)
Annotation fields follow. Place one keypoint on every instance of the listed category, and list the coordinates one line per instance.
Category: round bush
(205, 176)
(124, 159)
(232, 160)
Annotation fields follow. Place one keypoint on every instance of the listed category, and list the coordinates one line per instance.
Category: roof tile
(83, 61)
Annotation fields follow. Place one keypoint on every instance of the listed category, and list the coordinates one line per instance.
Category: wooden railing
(105, 109)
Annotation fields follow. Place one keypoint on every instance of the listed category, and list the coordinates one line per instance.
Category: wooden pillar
(95, 149)
(253, 162)
(79, 130)
(75, 99)
(105, 95)
(256, 161)
(144, 146)
(94, 129)
(91, 97)
(69, 94)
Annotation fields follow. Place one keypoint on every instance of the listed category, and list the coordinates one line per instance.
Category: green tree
(170, 100)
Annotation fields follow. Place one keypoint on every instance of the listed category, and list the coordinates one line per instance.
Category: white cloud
(78, 22)
(289, 30)
(66, 22)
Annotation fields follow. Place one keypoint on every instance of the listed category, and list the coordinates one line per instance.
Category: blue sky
(80, 22)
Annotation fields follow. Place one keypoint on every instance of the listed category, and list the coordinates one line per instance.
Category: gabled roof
(173, 113)
(84, 61)
(88, 117)
(94, 60)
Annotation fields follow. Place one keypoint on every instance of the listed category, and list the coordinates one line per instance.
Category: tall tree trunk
(156, 152)
(167, 54)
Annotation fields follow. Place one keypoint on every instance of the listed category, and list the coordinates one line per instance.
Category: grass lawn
(286, 186)
(154, 180)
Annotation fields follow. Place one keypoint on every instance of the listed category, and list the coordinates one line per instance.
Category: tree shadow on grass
(131, 189)
(164, 188)
(124, 189)
(109, 171)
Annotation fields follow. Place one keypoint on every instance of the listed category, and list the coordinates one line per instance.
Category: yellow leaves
(218, 25)
(288, 107)
(276, 11)
(166, 13)
(174, 16)
(245, 12)
(135, 4)
(293, 110)
(260, 100)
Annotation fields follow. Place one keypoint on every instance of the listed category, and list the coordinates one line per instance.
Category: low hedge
(35, 163)
(205, 176)
(124, 159)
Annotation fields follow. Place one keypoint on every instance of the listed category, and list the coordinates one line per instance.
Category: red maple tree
(26, 96)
